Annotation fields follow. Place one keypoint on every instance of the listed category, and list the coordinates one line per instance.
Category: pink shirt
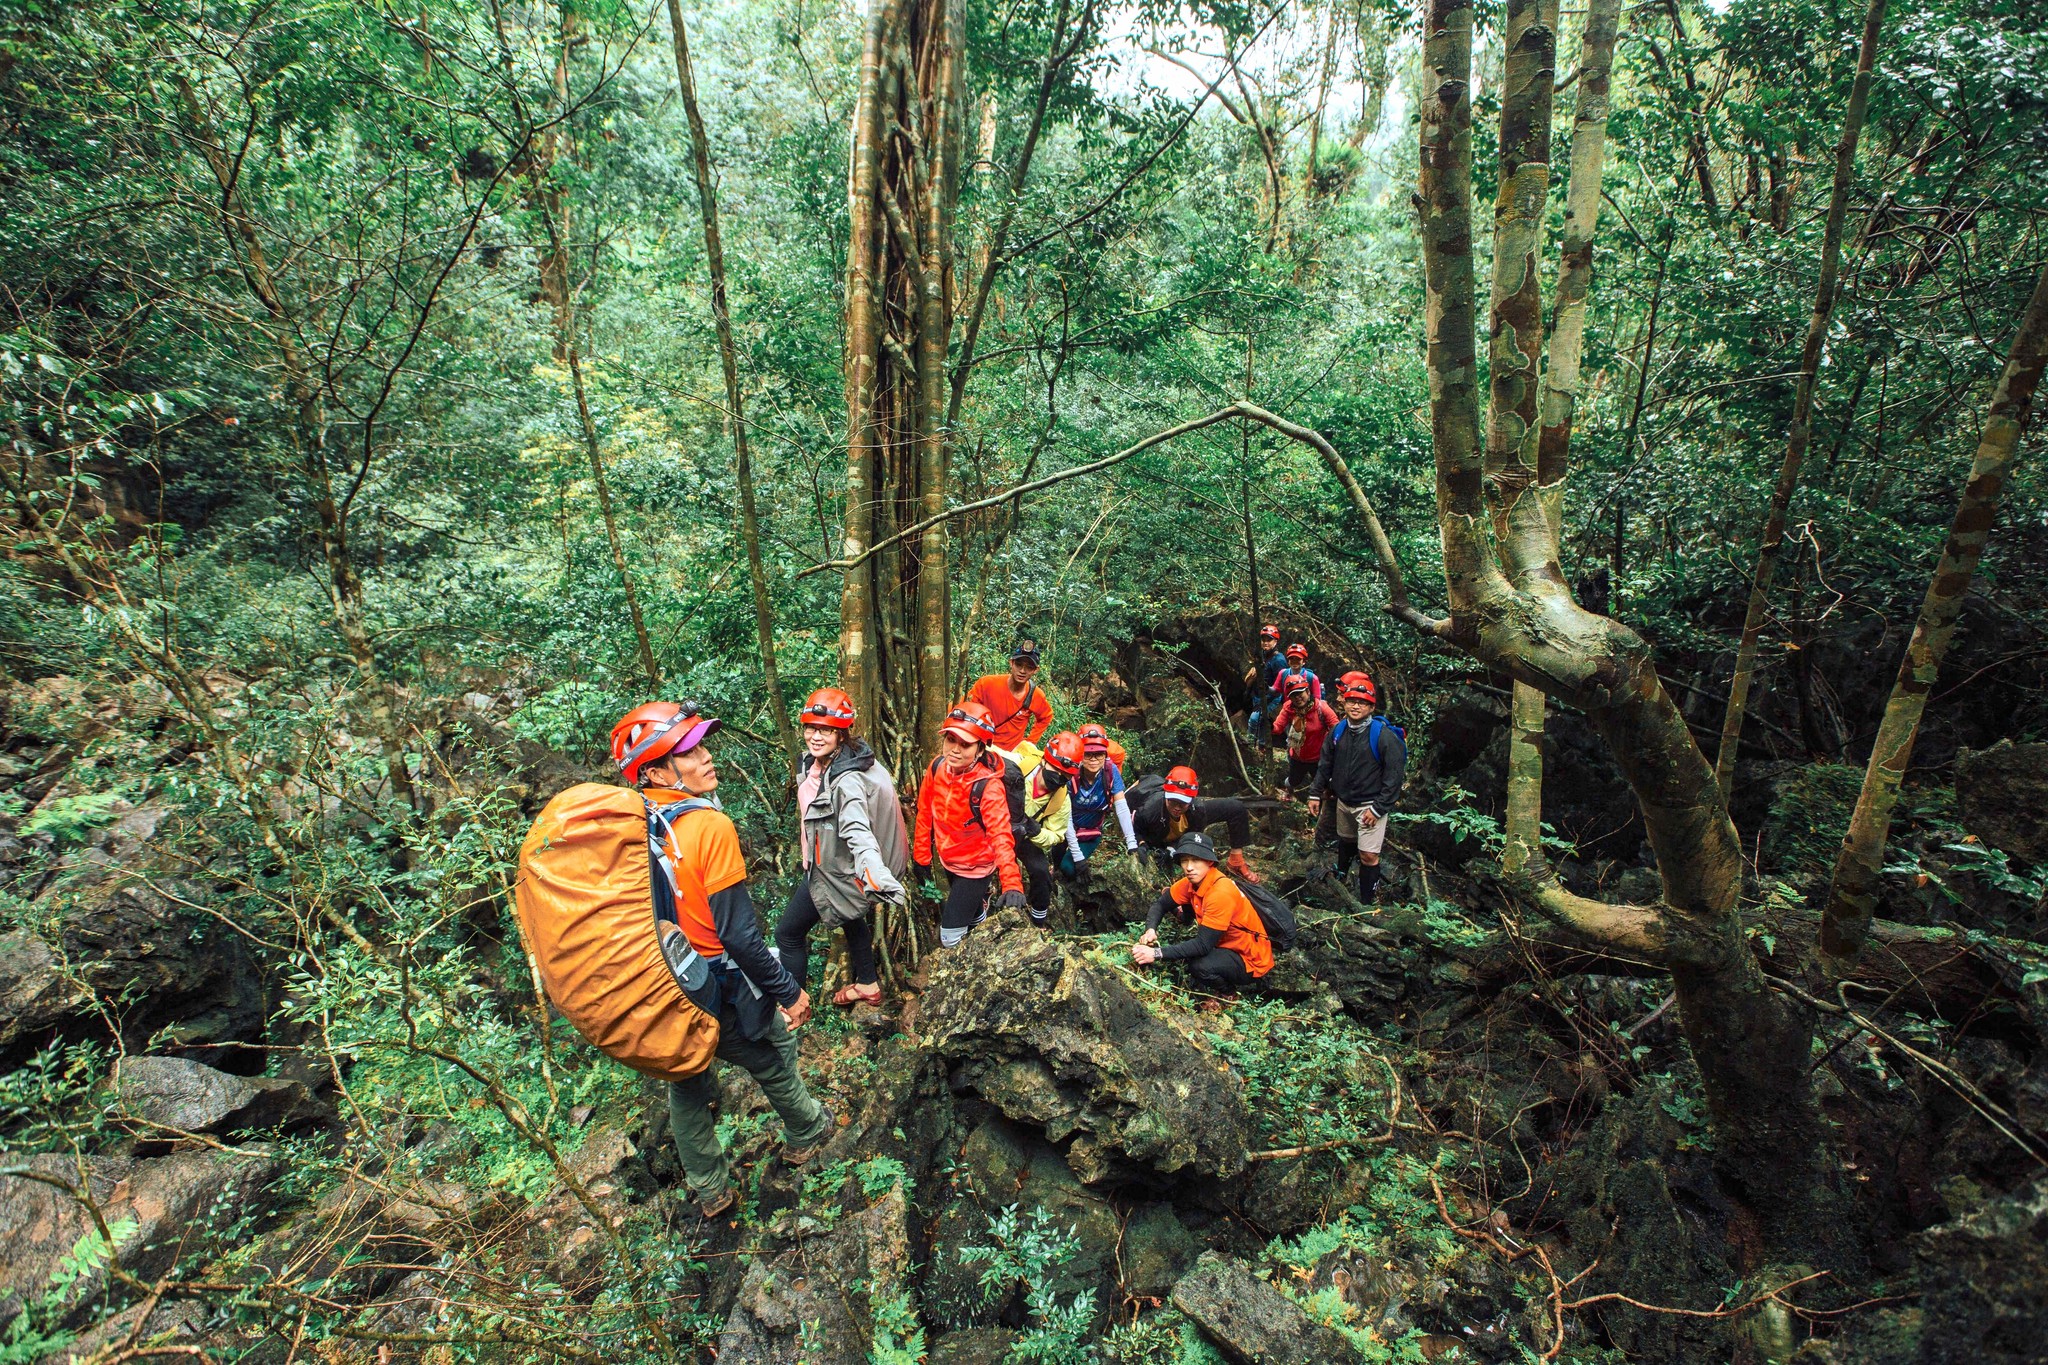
(806, 792)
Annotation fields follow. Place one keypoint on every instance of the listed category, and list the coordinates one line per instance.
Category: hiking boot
(718, 1205)
(798, 1157)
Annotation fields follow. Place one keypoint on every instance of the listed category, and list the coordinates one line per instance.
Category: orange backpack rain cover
(587, 910)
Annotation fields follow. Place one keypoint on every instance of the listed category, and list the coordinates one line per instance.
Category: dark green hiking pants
(693, 1104)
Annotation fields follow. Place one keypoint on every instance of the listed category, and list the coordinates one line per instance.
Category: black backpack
(1274, 912)
(1013, 791)
(1143, 788)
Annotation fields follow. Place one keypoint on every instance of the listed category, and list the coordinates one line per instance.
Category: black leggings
(1299, 773)
(1037, 879)
(792, 939)
(966, 906)
(1219, 970)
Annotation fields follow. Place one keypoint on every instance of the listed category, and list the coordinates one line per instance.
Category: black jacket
(1149, 820)
(1349, 770)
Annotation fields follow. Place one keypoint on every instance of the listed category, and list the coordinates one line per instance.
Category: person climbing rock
(1098, 787)
(1020, 711)
(1305, 722)
(1259, 680)
(1362, 766)
(963, 820)
(660, 748)
(1178, 809)
(1294, 674)
(1229, 950)
(854, 847)
(1048, 816)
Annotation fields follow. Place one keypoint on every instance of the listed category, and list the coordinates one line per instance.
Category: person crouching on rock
(1362, 765)
(661, 749)
(854, 848)
(1048, 815)
(1229, 950)
(963, 819)
(1096, 790)
(1178, 809)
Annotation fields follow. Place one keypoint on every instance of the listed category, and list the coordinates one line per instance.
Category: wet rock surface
(178, 1093)
(1055, 1041)
(1253, 1323)
(816, 1296)
(2003, 796)
(1985, 1282)
(155, 1211)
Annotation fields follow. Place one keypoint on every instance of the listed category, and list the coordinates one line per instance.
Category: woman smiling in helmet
(963, 820)
(854, 849)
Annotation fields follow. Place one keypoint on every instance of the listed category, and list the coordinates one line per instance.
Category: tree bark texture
(1852, 898)
(1800, 434)
(1560, 392)
(1511, 610)
(896, 607)
(595, 449)
(728, 355)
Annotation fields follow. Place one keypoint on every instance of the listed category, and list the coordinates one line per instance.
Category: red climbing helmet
(1297, 653)
(970, 721)
(1182, 784)
(1269, 635)
(1094, 739)
(1063, 753)
(1357, 686)
(828, 706)
(647, 734)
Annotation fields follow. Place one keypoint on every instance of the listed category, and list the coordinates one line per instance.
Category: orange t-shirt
(1220, 904)
(1015, 722)
(706, 849)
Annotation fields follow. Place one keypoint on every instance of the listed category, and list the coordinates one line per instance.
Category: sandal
(854, 993)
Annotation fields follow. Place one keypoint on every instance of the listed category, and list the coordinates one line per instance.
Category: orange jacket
(1219, 904)
(970, 842)
(1015, 721)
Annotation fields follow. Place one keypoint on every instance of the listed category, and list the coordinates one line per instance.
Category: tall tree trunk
(728, 355)
(858, 646)
(309, 430)
(895, 622)
(1801, 432)
(1524, 816)
(595, 450)
(1852, 898)
(1515, 354)
(1512, 611)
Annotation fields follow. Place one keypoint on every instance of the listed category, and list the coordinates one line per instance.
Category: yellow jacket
(1051, 809)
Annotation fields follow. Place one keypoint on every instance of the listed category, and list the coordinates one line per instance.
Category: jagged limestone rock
(1000, 1165)
(157, 1209)
(816, 1300)
(176, 1092)
(1253, 1323)
(1984, 1281)
(1053, 1040)
(1157, 1250)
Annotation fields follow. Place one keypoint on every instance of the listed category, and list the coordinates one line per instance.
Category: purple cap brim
(705, 727)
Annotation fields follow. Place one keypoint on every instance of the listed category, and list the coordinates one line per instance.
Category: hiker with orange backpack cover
(1016, 707)
(1363, 764)
(660, 749)
(855, 849)
(1230, 949)
(963, 821)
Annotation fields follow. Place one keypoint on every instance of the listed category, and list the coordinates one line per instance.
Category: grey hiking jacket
(853, 833)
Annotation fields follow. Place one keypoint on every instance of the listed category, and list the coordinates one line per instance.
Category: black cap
(1196, 845)
(1025, 648)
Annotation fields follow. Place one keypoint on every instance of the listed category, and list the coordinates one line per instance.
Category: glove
(1081, 873)
(921, 875)
(1011, 900)
(1031, 828)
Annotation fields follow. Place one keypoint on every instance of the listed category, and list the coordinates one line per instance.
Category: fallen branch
(1383, 550)
(1338, 1144)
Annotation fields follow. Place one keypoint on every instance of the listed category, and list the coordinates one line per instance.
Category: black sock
(1346, 855)
(1368, 880)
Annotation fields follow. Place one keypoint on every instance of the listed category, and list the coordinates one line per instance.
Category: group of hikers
(1004, 818)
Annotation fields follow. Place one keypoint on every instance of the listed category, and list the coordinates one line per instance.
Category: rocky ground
(1442, 1134)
